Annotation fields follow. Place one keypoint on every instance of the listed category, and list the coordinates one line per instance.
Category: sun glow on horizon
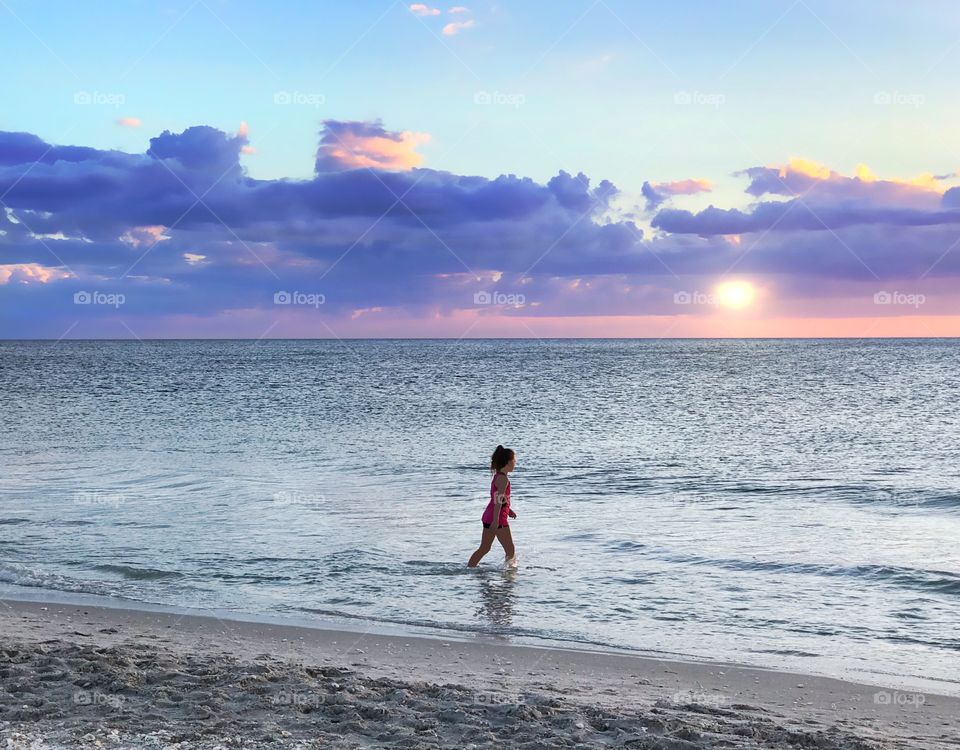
(736, 294)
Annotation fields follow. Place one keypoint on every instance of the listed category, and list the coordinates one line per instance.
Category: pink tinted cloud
(145, 236)
(419, 9)
(658, 193)
(456, 27)
(683, 187)
(30, 273)
(817, 182)
(130, 122)
(353, 145)
(382, 153)
(243, 132)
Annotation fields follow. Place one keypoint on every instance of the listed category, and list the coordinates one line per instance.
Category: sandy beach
(82, 676)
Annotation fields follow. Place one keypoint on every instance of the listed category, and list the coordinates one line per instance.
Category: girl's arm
(500, 482)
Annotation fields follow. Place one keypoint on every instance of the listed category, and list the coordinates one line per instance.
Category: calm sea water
(786, 503)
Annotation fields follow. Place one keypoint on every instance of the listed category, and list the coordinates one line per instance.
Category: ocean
(791, 504)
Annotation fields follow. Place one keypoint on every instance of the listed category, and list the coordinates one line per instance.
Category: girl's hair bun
(500, 458)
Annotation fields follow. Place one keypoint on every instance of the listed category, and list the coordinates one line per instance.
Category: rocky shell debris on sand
(59, 695)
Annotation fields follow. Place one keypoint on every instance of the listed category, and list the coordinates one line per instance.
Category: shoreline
(103, 662)
(388, 628)
(510, 338)
(317, 620)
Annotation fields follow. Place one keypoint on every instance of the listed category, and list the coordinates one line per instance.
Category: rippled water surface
(787, 503)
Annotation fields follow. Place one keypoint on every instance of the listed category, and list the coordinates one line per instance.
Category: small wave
(627, 545)
(249, 577)
(913, 614)
(827, 490)
(939, 581)
(941, 501)
(953, 644)
(548, 635)
(580, 537)
(138, 574)
(783, 652)
(905, 499)
(429, 567)
(13, 521)
(139, 525)
(21, 575)
(777, 488)
(645, 580)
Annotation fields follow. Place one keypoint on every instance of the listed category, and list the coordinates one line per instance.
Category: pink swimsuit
(504, 509)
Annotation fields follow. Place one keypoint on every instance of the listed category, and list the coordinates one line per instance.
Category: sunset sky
(226, 168)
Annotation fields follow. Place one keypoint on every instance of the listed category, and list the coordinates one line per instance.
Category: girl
(494, 518)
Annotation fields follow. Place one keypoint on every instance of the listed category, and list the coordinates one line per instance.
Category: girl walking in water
(495, 525)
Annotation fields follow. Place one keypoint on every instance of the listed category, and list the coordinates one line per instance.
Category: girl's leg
(486, 541)
(506, 540)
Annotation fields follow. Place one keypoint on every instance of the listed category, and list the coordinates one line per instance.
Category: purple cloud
(797, 214)
(200, 149)
(182, 230)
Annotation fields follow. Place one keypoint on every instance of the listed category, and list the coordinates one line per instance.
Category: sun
(735, 294)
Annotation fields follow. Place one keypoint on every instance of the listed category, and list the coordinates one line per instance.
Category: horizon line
(143, 339)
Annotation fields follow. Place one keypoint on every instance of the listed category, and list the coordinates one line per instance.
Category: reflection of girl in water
(497, 597)
(495, 523)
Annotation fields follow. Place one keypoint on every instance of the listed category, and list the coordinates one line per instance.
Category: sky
(218, 168)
